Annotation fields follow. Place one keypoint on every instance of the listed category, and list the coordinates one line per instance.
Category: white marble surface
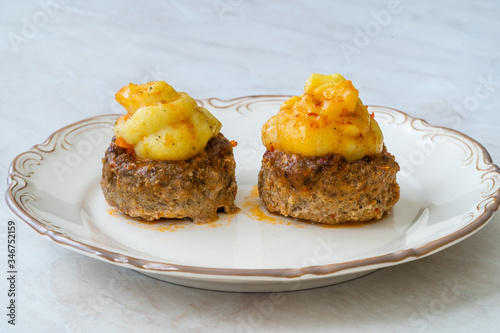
(62, 61)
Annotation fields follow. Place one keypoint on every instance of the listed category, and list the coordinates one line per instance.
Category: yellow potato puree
(328, 118)
(163, 124)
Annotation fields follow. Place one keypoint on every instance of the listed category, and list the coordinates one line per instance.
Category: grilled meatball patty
(194, 188)
(328, 189)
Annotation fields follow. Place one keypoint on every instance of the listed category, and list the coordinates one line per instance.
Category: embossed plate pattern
(449, 189)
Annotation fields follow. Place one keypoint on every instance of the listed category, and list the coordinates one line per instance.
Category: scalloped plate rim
(239, 275)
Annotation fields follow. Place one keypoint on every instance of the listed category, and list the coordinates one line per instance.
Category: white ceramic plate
(449, 189)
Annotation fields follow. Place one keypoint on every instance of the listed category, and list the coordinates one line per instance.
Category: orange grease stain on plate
(253, 209)
(349, 224)
(171, 225)
(341, 225)
(161, 226)
(252, 204)
(113, 212)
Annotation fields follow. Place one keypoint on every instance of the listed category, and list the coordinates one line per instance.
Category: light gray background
(63, 61)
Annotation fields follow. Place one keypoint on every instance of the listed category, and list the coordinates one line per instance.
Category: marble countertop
(62, 61)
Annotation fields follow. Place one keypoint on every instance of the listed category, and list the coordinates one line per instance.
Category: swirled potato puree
(161, 123)
(167, 158)
(326, 160)
(328, 118)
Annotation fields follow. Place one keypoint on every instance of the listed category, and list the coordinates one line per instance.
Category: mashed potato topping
(328, 118)
(163, 124)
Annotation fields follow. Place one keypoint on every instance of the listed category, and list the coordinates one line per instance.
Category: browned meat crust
(327, 189)
(194, 188)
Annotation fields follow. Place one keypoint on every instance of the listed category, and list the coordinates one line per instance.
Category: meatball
(328, 189)
(196, 188)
